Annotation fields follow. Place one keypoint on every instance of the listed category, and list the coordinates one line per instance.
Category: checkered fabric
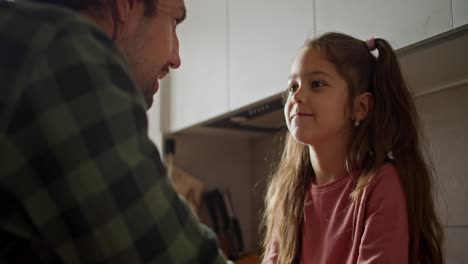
(80, 181)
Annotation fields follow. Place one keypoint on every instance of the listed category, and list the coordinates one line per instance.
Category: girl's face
(316, 110)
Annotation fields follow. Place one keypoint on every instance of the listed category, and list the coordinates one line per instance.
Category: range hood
(265, 117)
(429, 66)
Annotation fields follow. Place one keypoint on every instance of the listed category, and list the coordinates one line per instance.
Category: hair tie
(371, 44)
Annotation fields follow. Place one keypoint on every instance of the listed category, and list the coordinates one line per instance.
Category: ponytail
(396, 130)
(393, 105)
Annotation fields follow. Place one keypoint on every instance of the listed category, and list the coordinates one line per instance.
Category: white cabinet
(264, 36)
(460, 12)
(198, 89)
(238, 52)
(402, 22)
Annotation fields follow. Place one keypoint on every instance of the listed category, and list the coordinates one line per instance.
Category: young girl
(352, 185)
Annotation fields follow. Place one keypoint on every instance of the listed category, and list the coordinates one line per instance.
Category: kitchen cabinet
(238, 52)
(401, 22)
(460, 12)
(264, 36)
(198, 89)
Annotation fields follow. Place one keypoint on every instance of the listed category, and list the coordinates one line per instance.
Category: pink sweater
(372, 231)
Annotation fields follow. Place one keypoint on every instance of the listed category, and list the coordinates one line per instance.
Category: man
(144, 30)
(80, 182)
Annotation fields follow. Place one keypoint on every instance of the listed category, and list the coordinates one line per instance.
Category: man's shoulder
(38, 42)
(33, 25)
(42, 14)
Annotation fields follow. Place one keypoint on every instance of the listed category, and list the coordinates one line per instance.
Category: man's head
(145, 31)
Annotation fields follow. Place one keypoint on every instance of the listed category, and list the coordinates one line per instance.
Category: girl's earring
(356, 124)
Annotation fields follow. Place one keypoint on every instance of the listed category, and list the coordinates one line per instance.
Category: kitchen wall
(265, 155)
(445, 119)
(237, 163)
(438, 76)
(223, 162)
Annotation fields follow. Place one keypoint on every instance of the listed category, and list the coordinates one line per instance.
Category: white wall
(154, 114)
(445, 118)
(438, 75)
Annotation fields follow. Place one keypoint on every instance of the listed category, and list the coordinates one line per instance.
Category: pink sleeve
(386, 237)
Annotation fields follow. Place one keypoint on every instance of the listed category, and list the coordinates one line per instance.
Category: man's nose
(174, 60)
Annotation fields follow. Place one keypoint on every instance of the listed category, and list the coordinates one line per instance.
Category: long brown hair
(392, 126)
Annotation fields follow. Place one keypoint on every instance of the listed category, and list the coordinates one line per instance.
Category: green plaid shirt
(80, 181)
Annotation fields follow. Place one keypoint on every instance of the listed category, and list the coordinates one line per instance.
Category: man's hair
(79, 5)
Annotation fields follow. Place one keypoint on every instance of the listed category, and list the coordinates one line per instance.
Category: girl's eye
(293, 87)
(317, 84)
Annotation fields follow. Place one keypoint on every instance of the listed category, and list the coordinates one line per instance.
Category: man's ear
(123, 9)
(122, 13)
(363, 105)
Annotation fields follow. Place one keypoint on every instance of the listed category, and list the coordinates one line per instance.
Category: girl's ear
(363, 104)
